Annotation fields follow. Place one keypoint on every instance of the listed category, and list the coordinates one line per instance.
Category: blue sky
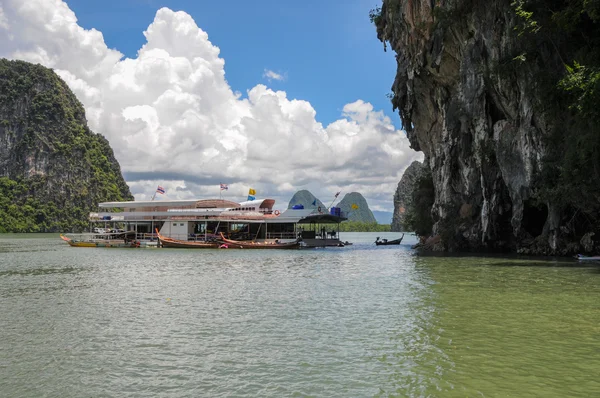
(328, 50)
(167, 102)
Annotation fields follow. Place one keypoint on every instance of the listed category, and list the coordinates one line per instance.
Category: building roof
(148, 203)
(197, 203)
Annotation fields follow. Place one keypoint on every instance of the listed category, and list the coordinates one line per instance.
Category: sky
(270, 95)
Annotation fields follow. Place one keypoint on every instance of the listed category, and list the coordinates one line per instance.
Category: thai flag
(224, 186)
(160, 190)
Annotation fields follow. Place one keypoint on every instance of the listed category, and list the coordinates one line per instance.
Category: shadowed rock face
(403, 201)
(477, 116)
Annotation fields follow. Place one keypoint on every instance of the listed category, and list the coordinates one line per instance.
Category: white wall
(176, 229)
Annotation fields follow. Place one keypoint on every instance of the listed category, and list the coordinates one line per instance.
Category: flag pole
(334, 198)
(153, 196)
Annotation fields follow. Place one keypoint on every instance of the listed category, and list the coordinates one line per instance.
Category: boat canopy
(322, 219)
(148, 203)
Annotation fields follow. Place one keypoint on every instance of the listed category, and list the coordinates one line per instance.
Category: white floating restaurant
(206, 219)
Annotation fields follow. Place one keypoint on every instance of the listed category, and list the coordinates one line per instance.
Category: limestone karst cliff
(476, 89)
(306, 199)
(359, 212)
(356, 208)
(53, 169)
(403, 200)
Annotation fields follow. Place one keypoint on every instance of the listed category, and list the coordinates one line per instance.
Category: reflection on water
(337, 322)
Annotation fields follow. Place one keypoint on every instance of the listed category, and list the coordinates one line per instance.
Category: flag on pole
(224, 187)
(160, 190)
(337, 194)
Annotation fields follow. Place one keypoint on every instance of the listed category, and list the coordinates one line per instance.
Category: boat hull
(183, 244)
(188, 245)
(107, 243)
(388, 243)
(236, 244)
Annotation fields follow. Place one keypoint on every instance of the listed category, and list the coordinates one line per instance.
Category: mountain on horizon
(360, 212)
(306, 199)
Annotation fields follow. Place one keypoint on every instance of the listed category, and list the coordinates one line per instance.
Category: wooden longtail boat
(386, 242)
(238, 244)
(101, 240)
(184, 244)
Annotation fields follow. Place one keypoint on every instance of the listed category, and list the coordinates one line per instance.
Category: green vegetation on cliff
(53, 169)
(572, 163)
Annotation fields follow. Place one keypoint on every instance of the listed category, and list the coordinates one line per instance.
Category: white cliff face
(476, 111)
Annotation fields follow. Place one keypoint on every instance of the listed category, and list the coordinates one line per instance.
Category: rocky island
(501, 97)
(53, 169)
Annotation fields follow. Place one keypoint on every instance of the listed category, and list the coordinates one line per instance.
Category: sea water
(357, 321)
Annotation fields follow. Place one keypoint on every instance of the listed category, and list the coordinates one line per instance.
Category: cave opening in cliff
(534, 217)
(493, 110)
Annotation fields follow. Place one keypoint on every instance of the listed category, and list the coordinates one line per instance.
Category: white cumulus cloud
(172, 118)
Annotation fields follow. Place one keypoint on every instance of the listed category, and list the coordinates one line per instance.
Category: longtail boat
(239, 244)
(386, 242)
(184, 244)
(123, 240)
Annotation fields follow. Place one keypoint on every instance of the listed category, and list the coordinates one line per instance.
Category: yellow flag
(251, 192)
(354, 206)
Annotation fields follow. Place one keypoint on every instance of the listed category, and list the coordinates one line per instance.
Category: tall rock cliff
(53, 169)
(473, 99)
(403, 200)
(356, 208)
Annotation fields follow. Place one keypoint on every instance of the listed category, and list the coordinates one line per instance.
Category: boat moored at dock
(121, 239)
(236, 244)
(185, 244)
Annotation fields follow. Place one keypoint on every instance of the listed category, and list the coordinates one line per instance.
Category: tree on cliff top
(572, 162)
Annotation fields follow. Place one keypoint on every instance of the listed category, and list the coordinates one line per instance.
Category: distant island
(354, 205)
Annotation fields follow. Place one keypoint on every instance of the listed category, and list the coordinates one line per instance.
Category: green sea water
(358, 321)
